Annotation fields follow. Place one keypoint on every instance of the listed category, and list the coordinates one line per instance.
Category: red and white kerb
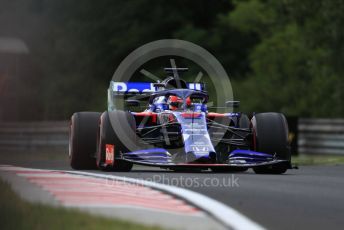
(83, 191)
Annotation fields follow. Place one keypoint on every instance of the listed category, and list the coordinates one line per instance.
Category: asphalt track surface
(311, 197)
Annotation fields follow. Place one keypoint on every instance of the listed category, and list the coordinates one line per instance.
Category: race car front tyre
(110, 145)
(83, 140)
(270, 135)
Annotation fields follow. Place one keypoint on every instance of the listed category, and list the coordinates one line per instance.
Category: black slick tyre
(110, 145)
(83, 140)
(270, 135)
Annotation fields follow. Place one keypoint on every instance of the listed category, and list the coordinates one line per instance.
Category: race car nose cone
(192, 157)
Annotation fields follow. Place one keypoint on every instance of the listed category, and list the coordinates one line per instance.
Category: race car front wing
(160, 157)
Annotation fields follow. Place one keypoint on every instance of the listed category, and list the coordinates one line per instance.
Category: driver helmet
(188, 102)
(174, 102)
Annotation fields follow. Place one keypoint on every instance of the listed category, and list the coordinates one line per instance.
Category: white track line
(225, 214)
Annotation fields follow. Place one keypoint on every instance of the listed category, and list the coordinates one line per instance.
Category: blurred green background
(285, 56)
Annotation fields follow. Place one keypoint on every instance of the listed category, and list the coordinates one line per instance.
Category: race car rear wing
(143, 87)
(127, 89)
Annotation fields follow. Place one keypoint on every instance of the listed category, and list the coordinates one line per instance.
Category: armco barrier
(321, 136)
(315, 136)
(34, 135)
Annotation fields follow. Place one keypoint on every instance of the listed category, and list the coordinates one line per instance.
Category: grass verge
(317, 159)
(18, 214)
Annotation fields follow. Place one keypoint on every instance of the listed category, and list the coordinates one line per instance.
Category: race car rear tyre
(270, 135)
(244, 121)
(109, 145)
(83, 140)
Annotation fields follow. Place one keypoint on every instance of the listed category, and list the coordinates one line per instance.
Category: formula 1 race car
(176, 131)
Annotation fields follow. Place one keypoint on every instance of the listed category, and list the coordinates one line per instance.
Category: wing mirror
(159, 85)
(232, 104)
(135, 103)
